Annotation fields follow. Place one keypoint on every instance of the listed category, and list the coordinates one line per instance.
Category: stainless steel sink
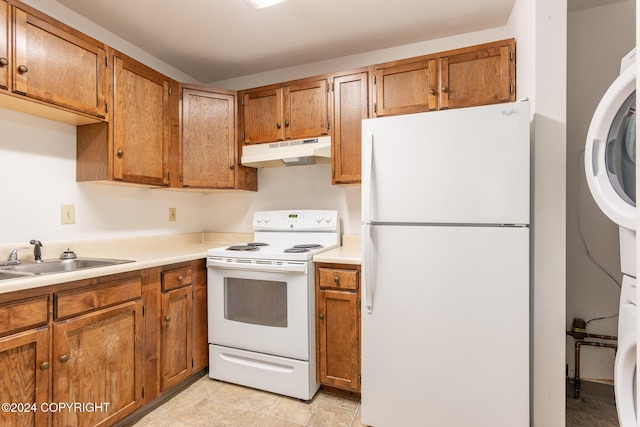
(56, 266)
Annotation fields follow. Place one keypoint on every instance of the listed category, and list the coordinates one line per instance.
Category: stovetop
(287, 235)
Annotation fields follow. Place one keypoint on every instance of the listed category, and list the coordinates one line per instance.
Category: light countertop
(348, 253)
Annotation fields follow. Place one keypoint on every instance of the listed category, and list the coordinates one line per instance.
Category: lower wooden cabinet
(338, 325)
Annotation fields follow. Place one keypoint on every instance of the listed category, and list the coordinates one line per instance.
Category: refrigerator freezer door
(447, 341)
(469, 165)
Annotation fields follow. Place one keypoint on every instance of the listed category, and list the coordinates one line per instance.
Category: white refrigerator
(445, 316)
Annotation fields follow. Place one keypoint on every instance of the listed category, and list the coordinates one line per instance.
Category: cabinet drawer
(24, 314)
(173, 279)
(78, 301)
(335, 278)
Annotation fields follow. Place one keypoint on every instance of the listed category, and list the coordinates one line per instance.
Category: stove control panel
(298, 220)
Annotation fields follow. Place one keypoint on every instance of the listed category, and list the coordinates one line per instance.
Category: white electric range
(261, 302)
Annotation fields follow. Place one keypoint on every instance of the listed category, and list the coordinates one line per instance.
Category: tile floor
(590, 412)
(213, 403)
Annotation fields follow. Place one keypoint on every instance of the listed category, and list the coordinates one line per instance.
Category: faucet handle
(13, 255)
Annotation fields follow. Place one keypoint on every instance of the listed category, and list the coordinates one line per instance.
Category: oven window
(258, 302)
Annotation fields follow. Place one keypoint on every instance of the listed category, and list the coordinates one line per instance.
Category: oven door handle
(284, 267)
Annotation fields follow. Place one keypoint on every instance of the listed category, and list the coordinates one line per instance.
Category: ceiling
(213, 40)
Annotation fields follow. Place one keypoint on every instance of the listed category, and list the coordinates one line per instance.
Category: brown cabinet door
(207, 139)
(175, 356)
(350, 106)
(405, 87)
(4, 45)
(306, 109)
(338, 340)
(141, 124)
(25, 378)
(479, 75)
(57, 66)
(263, 115)
(97, 358)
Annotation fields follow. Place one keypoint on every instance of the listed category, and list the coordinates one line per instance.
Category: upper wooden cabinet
(4, 45)
(134, 146)
(471, 76)
(53, 63)
(291, 110)
(208, 157)
(350, 105)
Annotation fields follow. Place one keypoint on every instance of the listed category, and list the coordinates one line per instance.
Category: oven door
(260, 305)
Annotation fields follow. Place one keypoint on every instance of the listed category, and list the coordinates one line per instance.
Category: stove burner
(256, 244)
(243, 248)
(302, 248)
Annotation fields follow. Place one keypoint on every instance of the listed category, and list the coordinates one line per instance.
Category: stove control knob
(267, 218)
(259, 219)
(327, 218)
(319, 218)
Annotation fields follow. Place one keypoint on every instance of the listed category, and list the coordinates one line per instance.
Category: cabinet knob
(22, 69)
(64, 358)
(44, 366)
(232, 167)
(167, 318)
(321, 315)
(278, 125)
(179, 278)
(286, 123)
(432, 91)
(445, 89)
(3, 62)
(120, 153)
(336, 279)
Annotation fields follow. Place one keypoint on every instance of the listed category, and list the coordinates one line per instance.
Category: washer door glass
(620, 156)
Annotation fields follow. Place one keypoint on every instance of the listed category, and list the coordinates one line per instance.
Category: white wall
(593, 63)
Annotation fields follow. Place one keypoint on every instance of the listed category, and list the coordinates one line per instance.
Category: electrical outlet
(67, 214)
(172, 214)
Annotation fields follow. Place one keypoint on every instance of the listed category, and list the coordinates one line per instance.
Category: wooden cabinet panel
(4, 45)
(58, 66)
(25, 377)
(338, 325)
(305, 109)
(200, 340)
(97, 357)
(263, 115)
(208, 141)
(350, 106)
(71, 303)
(478, 76)
(24, 314)
(176, 356)
(405, 87)
(141, 123)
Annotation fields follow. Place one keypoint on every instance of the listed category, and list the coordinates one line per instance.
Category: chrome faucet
(37, 253)
(12, 259)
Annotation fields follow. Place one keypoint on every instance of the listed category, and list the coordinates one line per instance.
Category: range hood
(288, 153)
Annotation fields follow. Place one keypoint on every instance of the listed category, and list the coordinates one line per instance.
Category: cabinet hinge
(180, 177)
(169, 176)
(106, 61)
(242, 101)
(169, 90)
(143, 311)
(192, 363)
(328, 124)
(143, 392)
(359, 304)
(510, 88)
(510, 55)
(360, 379)
(243, 135)
(375, 80)
(106, 107)
(180, 96)
(375, 108)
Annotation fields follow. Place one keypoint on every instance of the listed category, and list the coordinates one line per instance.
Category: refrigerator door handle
(367, 282)
(367, 175)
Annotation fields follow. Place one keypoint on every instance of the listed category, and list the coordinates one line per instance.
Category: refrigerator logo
(510, 112)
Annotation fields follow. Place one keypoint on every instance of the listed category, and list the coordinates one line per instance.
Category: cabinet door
(4, 45)
(479, 75)
(208, 139)
(56, 66)
(141, 124)
(338, 328)
(262, 115)
(306, 109)
(405, 87)
(25, 377)
(350, 106)
(175, 357)
(97, 358)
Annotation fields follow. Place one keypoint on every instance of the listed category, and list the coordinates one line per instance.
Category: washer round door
(610, 157)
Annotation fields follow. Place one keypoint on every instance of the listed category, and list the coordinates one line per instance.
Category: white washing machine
(610, 164)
